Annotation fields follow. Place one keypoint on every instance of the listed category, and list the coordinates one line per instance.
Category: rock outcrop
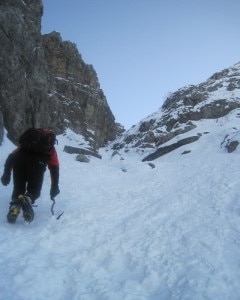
(44, 82)
(212, 99)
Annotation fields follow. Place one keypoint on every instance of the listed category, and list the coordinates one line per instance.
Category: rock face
(181, 111)
(44, 82)
(75, 85)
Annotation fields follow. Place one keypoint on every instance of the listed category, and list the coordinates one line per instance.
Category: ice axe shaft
(52, 211)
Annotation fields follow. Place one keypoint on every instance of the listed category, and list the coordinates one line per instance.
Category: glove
(5, 179)
(54, 191)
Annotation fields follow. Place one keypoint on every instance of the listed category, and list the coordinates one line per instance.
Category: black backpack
(37, 140)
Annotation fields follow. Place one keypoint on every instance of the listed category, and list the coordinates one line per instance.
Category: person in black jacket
(28, 173)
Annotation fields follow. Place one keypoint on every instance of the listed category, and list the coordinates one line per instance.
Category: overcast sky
(142, 50)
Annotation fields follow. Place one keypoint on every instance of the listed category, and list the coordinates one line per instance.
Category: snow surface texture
(169, 232)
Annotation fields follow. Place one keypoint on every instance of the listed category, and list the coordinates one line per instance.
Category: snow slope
(171, 232)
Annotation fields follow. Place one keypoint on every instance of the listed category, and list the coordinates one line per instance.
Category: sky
(143, 50)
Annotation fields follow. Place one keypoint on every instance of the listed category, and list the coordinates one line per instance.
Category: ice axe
(52, 211)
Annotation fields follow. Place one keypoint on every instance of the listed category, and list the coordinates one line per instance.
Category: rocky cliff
(175, 124)
(44, 82)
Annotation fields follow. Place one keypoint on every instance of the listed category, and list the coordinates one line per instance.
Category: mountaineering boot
(14, 211)
(26, 204)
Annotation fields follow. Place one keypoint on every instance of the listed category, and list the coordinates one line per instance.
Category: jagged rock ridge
(181, 111)
(44, 82)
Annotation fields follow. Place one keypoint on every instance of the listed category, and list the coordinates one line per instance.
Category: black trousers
(28, 174)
